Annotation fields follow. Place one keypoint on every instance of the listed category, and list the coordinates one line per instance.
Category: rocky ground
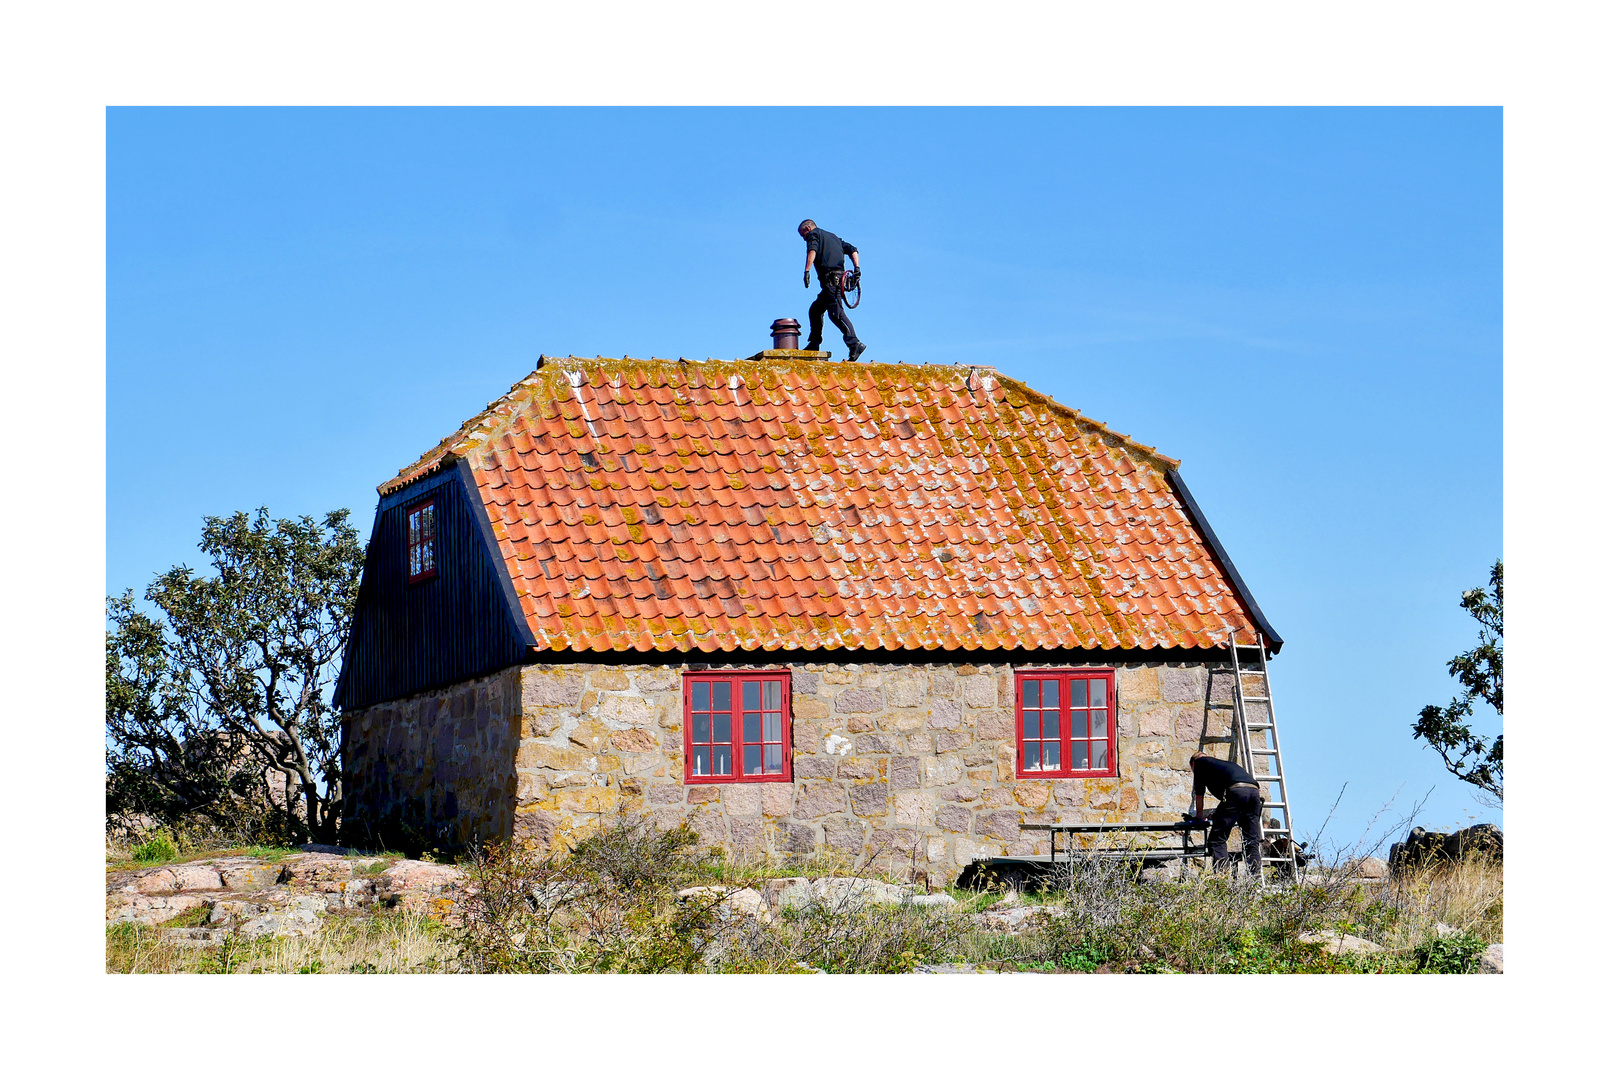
(206, 900)
(297, 894)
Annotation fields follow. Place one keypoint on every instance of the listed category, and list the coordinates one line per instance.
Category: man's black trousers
(831, 302)
(1241, 806)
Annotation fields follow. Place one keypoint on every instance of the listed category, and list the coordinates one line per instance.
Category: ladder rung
(1244, 697)
(1266, 805)
(1262, 779)
(1258, 726)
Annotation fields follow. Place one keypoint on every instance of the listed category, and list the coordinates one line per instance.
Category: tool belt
(1245, 786)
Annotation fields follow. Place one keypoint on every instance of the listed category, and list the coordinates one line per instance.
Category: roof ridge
(1157, 458)
(486, 424)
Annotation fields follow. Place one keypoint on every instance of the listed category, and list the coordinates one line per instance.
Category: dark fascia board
(483, 521)
(357, 613)
(1199, 520)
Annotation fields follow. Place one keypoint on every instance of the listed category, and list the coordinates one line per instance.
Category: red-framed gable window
(1067, 723)
(737, 726)
(421, 529)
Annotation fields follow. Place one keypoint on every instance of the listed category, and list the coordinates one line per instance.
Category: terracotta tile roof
(780, 503)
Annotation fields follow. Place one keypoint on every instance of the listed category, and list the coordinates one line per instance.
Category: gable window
(1066, 723)
(736, 726)
(422, 541)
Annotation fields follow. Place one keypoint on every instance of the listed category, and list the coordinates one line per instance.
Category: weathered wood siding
(455, 626)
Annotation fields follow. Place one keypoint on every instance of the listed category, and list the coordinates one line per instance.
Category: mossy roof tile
(802, 505)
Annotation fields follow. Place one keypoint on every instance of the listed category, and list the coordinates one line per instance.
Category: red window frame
(1051, 732)
(702, 726)
(425, 542)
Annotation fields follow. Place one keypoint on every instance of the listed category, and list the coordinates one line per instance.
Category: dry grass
(385, 943)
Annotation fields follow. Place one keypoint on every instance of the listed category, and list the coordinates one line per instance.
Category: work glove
(807, 279)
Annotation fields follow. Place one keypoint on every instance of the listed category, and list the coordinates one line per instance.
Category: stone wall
(892, 760)
(435, 769)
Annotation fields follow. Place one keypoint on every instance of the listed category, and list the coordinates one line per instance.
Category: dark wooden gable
(459, 624)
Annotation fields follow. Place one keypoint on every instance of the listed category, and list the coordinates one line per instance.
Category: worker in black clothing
(1240, 802)
(826, 253)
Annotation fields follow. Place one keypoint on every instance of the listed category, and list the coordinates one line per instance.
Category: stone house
(800, 605)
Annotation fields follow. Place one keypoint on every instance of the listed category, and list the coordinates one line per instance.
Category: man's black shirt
(830, 251)
(1216, 776)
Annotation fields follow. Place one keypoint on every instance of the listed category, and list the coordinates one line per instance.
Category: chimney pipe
(785, 334)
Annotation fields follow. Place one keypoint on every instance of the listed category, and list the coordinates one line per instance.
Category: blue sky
(1305, 306)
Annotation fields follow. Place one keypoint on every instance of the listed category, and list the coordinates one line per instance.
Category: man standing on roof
(1240, 802)
(826, 252)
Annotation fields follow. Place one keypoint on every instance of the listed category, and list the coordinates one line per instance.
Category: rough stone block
(994, 797)
(704, 793)
(711, 827)
(807, 708)
(649, 680)
(906, 692)
(813, 766)
(945, 741)
(1005, 762)
(800, 839)
(915, 807)
(1032, 795)
(536, 826)
(590, 734)
(858, 769)
(607, 679)
(940, 771)
(1128, 800)
(1183, 684)
(748, 834)
(993, 725)
(538, 688)
(966, 851)
(742, 800)
(899, 841)
(868, 800)
(980, 691)
(904, 720)
(776, 800)
(1001, 824)
(842, 834)
(862, 722)
(634, 741)
(589, 800)
(944, 716)
(529, 787)
(903, 773)
(943, 682)
(541, 755)
(954, 818)
(805, 682)
(806, 738)
(858, 701)
(817, 799)
(1138, 685)
(1155, 720)
(627, 712)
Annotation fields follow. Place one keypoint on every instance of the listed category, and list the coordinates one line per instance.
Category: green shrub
(159, 848)
(1458, 954)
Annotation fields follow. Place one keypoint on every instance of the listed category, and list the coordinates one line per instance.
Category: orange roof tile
(784, 503)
